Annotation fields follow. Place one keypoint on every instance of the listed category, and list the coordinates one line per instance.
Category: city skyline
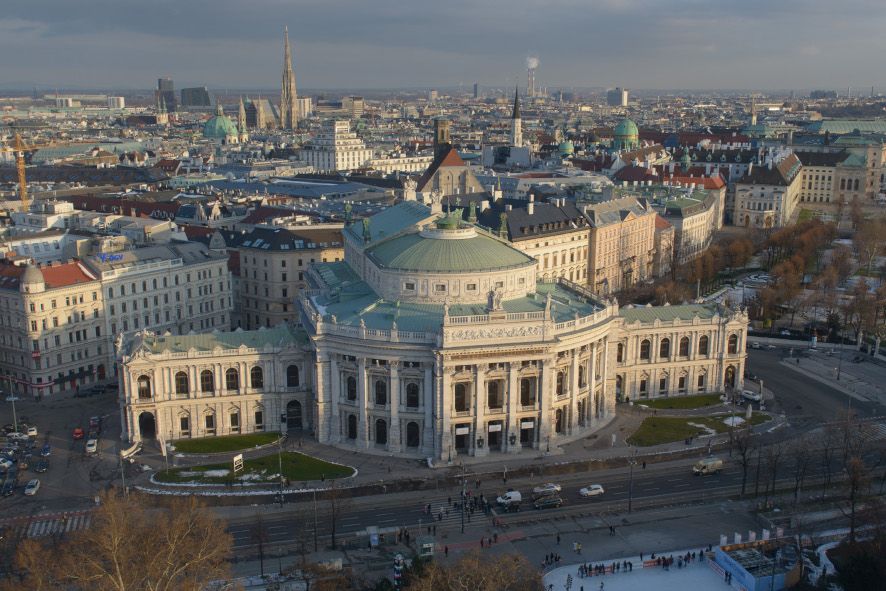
(617, 42)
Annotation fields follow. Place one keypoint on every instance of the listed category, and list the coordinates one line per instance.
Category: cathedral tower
(241, 123)
(288, 97)
(516, 122)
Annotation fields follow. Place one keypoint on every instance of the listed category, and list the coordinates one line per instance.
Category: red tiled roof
(661, 223)
(197, 231)
(264, 213)
(449, 158)
(65, 274)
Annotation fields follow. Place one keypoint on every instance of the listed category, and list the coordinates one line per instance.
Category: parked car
(785, 333)
(547, 502)
(546, 489)
(46, 451)
(6, 463)
(92, 446)
(751, 395)
(755, 345)
(78, 433)
(512, 497)
(32, 487)
(8, 428)
(8, 488)
(591, 491)
(95, 422)
(42, 466)
(32, 431)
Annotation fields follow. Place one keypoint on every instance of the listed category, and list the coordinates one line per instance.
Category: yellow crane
(20, 166)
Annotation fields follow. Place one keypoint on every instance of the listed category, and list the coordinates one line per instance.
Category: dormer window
(440, 288)
(409, 286)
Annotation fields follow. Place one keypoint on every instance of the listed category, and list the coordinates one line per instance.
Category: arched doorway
(381, 432)
(100, 371)
(729, 382)
(352, 427)
(412, 434)
(559, 421)
(147, 425)
(293, 415)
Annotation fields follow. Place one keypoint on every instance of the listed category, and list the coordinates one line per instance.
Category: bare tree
(745, 449)
(799, 457)
(830, 446)
(857, 477)
(258, 533)
(132, 546)
(479, 572)
(337, 503)
(774, 453)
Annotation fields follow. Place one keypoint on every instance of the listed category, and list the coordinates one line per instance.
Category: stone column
(589, 414)
(545, 400)
(570, 418)
(427, 401)
(444, 414)
(608, 402)
(321, 413)
(479, 405)
(333, 398)
(362, 431)
(513, 424)
(394, 431)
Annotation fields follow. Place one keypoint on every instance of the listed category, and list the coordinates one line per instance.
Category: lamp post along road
(12, 398)
(632, 462)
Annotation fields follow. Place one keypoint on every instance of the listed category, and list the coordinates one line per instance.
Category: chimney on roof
(530, 207)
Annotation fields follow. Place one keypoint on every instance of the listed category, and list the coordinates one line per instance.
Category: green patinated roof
(278, 336)
(219, 127)
(391, 221)
(855, 160)
(412, 252)
(668, 313)
(358, 301)
(840, 126)
(336, 274)
(626, 128)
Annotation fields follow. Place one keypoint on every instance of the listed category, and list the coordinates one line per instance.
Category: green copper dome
(414, 252)
(567, 148)
(219, 127)
(626, 128)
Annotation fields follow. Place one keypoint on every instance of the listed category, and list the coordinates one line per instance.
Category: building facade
(622, 243)
(336, 148)
(768, 195)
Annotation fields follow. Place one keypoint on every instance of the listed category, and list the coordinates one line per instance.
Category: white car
(32, 431)
(755, 345)
(547, 489)
(32, 487)
(591, 491)
(751, 395)
(91, 446)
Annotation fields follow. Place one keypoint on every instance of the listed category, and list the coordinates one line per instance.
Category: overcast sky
(753, 44)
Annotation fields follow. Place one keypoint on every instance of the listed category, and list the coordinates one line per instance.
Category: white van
(512, 497)
(707, 466)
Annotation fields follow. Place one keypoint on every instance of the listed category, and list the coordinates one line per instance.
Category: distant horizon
(670, 45)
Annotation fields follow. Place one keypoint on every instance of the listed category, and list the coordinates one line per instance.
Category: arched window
(664, 348)
(412, 395)
(207, 383)
(684, 347)
(381, 432)
(232, 380)
(561, 378)
(645, 347)
(292, 376)
(144, 387)
(703, 345)
(181, 383)
(732, 344)
(413, 436)
(582, 378)
(494, 399)
(381, 392)
(620, 353)
(352, 427)
(462, 403)
(257, 377)
(527, 391)
(351, 387)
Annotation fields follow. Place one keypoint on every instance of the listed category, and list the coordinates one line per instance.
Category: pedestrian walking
(558, 539)
(601, 585)
(644, 465)
(446, 551)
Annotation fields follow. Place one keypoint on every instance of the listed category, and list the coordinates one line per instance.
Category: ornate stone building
(435, 338)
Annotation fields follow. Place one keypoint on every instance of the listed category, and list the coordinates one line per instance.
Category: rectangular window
(259, 420)
(184, 424)
(471, 287)
(210, 423)
(440, 288)
(409, 286)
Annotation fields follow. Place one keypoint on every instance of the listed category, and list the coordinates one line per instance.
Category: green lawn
(210, 445)
(682, 402)
(657, 430)
(296, 467)
(806, 215)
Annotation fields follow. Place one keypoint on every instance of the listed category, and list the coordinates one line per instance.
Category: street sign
(238, 463)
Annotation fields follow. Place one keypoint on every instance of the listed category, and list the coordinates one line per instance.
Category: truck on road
(707, 466)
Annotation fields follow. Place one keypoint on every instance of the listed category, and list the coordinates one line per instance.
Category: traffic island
(263, 470)
(659, 430)
(683, 402)
(224, 444)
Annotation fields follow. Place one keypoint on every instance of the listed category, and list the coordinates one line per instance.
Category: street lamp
(632, 462)
(12, 398)
(464, 496)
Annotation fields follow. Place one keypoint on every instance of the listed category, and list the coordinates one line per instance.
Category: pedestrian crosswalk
(38, 527)
(447, 514)
(875, 431)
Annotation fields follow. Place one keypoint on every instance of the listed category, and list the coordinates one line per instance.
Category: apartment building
(622, 243)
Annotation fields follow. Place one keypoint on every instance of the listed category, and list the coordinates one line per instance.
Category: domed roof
(448, 251)
(566, 148)
(219, 127)
(685, 159)
(626, 128)
(32, 275)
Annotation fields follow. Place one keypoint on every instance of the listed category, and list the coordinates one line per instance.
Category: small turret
(32, 280)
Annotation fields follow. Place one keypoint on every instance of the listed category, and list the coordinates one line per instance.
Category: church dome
(567, 148)
(626, 129)
(219, 127)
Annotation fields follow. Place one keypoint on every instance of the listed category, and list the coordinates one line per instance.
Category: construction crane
(20, 167)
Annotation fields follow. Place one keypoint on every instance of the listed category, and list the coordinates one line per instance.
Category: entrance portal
(293, 415)
(147, 425)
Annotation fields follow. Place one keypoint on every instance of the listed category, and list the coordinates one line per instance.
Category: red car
(78, 433)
